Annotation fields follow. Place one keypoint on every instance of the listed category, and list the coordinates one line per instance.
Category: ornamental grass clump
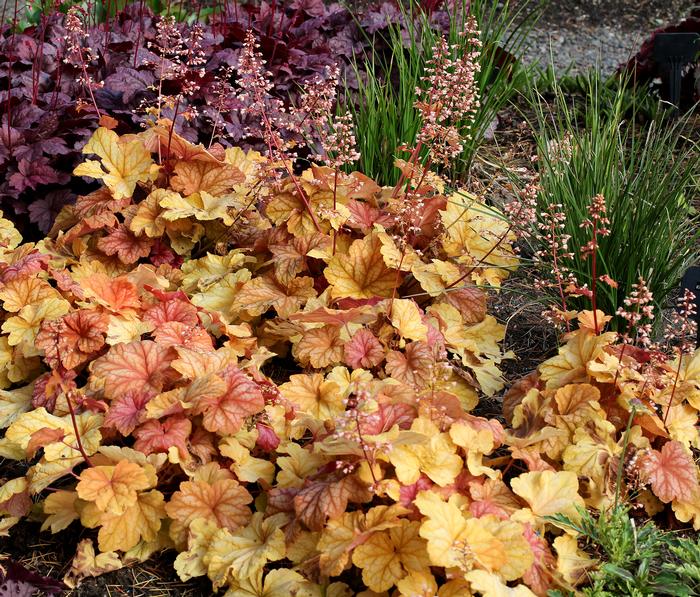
(648, 178)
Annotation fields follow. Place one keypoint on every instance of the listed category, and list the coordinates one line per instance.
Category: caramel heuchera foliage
(189, 362)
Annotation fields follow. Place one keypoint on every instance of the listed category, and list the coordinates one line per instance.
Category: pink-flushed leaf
(143, 364)
(154, 436)
(363, 216)
(672, 472)
(539, 576)
(386, 416)
(126, 411)
(225, 414)
(26, 264)
(363, 350)
(125, 245)
(267, 440)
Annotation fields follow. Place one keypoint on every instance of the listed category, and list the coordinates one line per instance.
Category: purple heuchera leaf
(32, 174)
(43, 212)
(129, 82)
(17, 581)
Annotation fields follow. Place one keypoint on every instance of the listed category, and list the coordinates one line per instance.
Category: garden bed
(279, 377)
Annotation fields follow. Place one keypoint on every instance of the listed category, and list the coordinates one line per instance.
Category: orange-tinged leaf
(73, 339)
(672, 472)
(25, 290)
(319, 500)
(195, 176)
(225, 413)
(144, 365)
(469, 301)
(125, 162)
(224, 502)
(42, 437)
(115, 294)
(361, 273)
(414, 366)
(176, 333)
(320, 347)
(112, 488)
(60, 508)
(125, 245)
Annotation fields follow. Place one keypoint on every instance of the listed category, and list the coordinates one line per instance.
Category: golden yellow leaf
(248, 468)
(592, 449)
(490, 585)
(9, 237)
(476, 443)
(297, 466)
(13, 403)
(125, 162)
(60, 507)
(387, 556)
(418, 584)
(361, 273)
(277, 583)
(548, 493)
(243, 554)
(190, 563)
(572, 563)
(142, 521)
(23, 327)
(569, 366)
(25, 290)
(480, 237)
(406, 318)
(426, 451)
(312, 395)
(341, 535)
(454, 540)
(44, 473)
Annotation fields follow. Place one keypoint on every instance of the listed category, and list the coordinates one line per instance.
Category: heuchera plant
(53, 90)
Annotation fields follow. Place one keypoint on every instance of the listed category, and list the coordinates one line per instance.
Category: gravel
(581, 34)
